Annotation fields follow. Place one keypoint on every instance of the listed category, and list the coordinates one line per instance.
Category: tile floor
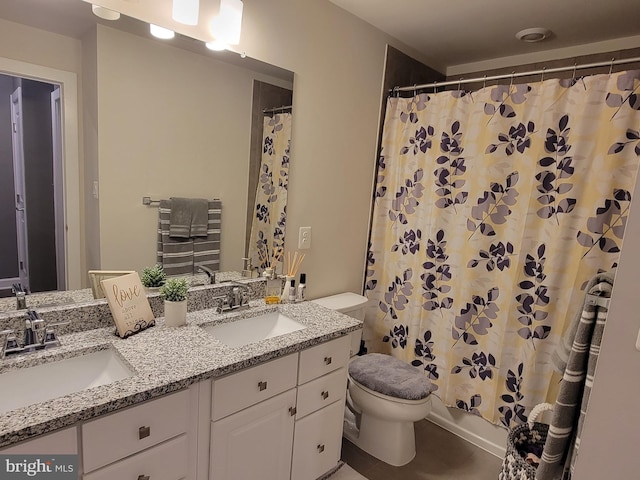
(441, 455)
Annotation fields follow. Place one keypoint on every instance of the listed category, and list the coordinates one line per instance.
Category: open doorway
(31, 186)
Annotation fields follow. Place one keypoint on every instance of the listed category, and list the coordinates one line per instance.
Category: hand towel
(188, 218)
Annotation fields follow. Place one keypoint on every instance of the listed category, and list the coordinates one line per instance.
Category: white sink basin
(26, 386)
(253, 329)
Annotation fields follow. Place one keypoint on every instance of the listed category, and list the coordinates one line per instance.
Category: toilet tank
(348, 303)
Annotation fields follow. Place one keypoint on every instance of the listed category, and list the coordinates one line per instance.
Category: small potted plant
(174, 293)
(153, 277)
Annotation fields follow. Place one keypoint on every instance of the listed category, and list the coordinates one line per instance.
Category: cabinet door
(318, 441)
(254, 443)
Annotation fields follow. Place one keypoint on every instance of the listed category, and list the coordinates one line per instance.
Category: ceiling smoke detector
(533, 34)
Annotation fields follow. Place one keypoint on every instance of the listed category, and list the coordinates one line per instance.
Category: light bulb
(226, 26)
(161, 32)
(186, 11)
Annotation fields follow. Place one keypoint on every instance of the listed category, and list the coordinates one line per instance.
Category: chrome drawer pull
(320, 448)
(143, 477)
(327, 360)
(262, 386)
(293, 411)
(325, 394)
(144, 432)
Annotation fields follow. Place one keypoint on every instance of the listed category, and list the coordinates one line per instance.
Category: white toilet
(386, 396)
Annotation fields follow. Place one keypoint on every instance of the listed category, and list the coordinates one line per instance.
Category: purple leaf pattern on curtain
(493, 206)
(491, 211)
(453, 165)
(607, 226)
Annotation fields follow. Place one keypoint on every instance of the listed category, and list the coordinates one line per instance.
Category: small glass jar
(273, 287)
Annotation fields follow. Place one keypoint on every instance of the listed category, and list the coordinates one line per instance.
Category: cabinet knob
(327, 360)
(144, 432)
(320, 448)
(143, 477)
(293, 411)
(262, 386)
(325, 394)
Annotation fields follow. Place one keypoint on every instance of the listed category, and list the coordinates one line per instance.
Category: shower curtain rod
(542, 72)
(277, 109)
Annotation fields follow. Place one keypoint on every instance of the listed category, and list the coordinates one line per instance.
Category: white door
(18, 180)
(58, 186)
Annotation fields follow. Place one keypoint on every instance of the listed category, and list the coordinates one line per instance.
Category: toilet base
(392, 442)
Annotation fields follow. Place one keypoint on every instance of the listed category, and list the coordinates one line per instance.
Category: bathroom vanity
(195, 407)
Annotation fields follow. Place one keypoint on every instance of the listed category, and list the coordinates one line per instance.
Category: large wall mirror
(153, 118)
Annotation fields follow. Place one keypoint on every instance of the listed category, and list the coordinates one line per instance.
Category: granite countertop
(164, 359)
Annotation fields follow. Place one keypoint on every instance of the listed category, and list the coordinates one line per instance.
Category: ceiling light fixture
(161, 32)
(186, 11)
(226, 26)
(105, 13)
(532, 35)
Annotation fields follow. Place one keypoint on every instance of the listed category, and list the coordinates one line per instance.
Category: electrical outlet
(304, 238)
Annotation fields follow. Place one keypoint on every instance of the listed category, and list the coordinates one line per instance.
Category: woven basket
(520, 440)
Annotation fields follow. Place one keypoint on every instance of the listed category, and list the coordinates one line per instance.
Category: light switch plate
(304, 238)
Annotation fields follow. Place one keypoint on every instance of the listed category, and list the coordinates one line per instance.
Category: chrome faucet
(38, 335)
(210, 273)
(238, 297)
(21, 296)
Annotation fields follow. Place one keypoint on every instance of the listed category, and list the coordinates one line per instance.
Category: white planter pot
(175, 313)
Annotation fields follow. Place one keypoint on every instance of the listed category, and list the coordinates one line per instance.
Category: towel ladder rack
(597, 300)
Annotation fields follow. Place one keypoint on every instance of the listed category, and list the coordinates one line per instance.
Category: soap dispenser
(273, 286)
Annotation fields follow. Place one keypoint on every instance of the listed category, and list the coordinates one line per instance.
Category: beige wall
(171, 124)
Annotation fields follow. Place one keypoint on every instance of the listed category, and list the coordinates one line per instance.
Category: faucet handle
(10, 343)
(50, 339)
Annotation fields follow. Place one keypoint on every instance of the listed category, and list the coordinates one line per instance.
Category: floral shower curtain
(492, 211)
(270, 212)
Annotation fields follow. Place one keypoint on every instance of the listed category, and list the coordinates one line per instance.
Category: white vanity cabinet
(62, 442)
(282, 419)
(149, 440)
(322, 387)
(253, 418)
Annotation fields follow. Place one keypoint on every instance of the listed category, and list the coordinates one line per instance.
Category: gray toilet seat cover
(390, 376)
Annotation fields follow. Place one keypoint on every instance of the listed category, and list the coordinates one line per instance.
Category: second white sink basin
(250, 330)
(26, 386)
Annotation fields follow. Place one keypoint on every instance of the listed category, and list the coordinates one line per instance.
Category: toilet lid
(390, 376)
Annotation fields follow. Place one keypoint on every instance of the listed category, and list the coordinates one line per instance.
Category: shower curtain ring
(459, 83)
(415, 91)
(435, 87)
(611, 65)
(542, 74)
(575, 66)
(484, 83)
(511, 81)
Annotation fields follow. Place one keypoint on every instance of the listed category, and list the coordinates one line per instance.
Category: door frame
(17, 147)
(68, 81)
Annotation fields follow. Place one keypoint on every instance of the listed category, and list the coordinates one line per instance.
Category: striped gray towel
(183, 256)
(576, 357)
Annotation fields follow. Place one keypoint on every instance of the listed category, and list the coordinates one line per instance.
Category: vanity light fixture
(105, 13)
(161, 32)
(226, 26)
(532, 35)
(186, 11)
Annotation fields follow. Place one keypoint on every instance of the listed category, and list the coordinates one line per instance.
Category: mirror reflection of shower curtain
(270, 210)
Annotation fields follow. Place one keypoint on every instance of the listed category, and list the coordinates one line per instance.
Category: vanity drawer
(167, 461)
(324, 358)
(240, 390)
(321, 392)
(120, 434)
(62, 442)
